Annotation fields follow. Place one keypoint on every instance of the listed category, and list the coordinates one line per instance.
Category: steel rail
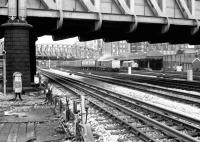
(187, 118)
(191, 98)
(134, 130)
(181, 84)
(167, 129)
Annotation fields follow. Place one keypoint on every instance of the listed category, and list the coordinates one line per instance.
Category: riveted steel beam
(3, 3)
(93, 7)
(128, 8)
(42, 51)
(60, 9)
(50, 50)
(54, 51)
(46, 49)
(196, 27)
(48, 4)
(89, 6)
(187, 8)
(158, 9)
(125, 8)
(38, 50)
(58, 5)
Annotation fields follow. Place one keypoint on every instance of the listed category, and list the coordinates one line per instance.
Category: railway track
(188, 98)
(166, 74)
(171, 126)
(109, 116)
(170, 83)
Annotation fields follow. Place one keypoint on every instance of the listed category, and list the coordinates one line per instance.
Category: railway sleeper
(131, 120)
(126, 139)
(118, 133)
(169, 123)
(194, 133)
(180, 128)
(113, 128)
(100, 119)
(183, 127)
(141, 126)
(162, 137)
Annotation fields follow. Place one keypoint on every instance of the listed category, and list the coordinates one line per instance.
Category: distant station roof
(154, 55)
(138, 55)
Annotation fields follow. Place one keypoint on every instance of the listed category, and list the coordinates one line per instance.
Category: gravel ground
(182, 108)
(98, 122)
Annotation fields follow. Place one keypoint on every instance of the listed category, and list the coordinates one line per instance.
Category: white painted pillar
(189, 75)
(148, 64)
(49, 63)
(129, 70)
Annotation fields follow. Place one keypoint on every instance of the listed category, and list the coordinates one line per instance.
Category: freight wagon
(111, 65)
(89, 64)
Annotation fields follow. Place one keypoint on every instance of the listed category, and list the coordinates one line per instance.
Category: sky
(49, 40)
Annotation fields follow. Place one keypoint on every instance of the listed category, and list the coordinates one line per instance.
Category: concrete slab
(28, 119)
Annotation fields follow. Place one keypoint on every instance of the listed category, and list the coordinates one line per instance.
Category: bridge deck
(156, 21)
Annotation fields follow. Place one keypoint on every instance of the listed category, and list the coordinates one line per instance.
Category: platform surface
(31, 118)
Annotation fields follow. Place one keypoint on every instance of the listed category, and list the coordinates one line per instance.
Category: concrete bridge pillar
(16, 42)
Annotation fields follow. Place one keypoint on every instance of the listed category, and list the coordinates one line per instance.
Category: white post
(4, 74)
(129, 70)
(49, 63)
(83, 112)
(189, 75)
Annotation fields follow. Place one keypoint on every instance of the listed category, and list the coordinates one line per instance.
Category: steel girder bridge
(156, 21)
(175, 21)
(63, 52)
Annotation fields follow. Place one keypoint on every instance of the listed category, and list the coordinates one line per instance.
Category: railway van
(110, 65)
(89, 64)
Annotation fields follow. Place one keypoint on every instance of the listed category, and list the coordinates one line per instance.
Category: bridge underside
(174, 21)
(111, 31)
(114, 31)
(156, 21)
